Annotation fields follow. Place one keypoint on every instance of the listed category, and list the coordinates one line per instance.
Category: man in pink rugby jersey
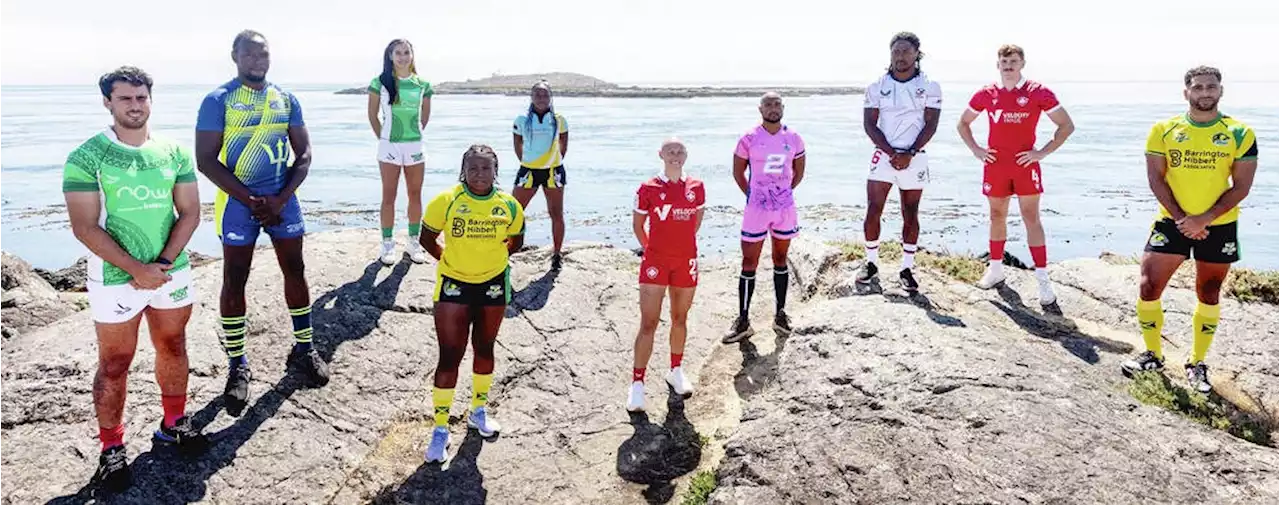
(775, 155)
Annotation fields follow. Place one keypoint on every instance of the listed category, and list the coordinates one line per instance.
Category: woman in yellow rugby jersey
(482, 226)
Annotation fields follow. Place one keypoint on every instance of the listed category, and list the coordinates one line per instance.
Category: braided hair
(482, 150)
(909, 38)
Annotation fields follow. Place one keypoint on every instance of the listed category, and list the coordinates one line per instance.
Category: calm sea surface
(1096, 189)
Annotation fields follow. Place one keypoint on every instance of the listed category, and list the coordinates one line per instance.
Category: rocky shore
(953, 395)
(578, 85)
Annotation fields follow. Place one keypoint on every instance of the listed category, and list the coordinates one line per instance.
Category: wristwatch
(163, 261)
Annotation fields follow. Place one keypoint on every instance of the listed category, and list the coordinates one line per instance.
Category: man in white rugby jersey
(900, 115)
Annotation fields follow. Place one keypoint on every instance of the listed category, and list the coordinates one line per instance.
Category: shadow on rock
(758, 371)
(1063, 331)
(920, 300)
(657, 455)
(161, 476)
(458, 481)
(534, 296)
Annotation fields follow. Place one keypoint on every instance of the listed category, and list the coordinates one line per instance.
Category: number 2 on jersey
(693, 269)
(774, 163)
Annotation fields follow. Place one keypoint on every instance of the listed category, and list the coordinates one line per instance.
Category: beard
(254, 78)
(128, 122)
(1205, 104)
(774, 118)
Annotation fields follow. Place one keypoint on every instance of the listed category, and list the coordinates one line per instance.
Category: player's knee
(555, 211)
(451, 356)
(1149, 288)
(648, 323)
(294, 269)
(173, 346)
(679, 318)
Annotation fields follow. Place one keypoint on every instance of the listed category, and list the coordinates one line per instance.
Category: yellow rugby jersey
(1199, 158)
(475, 229)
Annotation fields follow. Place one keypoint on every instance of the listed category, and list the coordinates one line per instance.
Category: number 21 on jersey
(774, 163)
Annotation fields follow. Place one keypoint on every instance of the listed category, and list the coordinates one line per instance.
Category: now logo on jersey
(143, 193)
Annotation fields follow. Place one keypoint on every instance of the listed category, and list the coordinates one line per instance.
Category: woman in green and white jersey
(399, 108)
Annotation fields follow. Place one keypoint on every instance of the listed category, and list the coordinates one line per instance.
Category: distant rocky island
(572, 84)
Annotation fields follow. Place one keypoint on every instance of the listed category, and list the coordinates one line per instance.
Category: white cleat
(481, 421)
(1046, 292)
(438, 449)
(679, 383)
(994, 275)
(416, 253)
(388, 254)
(635, 400)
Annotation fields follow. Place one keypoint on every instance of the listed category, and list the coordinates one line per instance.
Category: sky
(657, 41)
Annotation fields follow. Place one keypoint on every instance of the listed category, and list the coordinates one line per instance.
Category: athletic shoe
(740, 330)
(867, 273)
(1143, 362)
(679, 383)
(555, 261)
(187, 438)
(438, 450)
(480, 421)
(782, 323)
(388, 254)
(236, 394)
(994, 275)
(416, 253)
(635, 400)
(1046, 292)
(113, 470)
(1198, 377)
(310, 363)
(908, 280)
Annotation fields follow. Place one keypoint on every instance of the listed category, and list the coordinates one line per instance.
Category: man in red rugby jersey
(1011, 160)
(671, 203)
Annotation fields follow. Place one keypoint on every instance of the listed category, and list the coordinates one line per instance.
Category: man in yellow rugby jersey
(1200, 166)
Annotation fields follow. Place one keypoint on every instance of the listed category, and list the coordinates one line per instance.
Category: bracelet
(163, 261)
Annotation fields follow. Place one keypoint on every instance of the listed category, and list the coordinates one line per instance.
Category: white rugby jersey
(902, 105)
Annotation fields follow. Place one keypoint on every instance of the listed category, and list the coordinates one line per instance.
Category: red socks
(637, 375)
(174, 408)
(111, 437)
(676, 359)
(997, 251)
(1039, 256)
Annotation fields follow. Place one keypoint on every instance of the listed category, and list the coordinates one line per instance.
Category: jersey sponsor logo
(775, 163)
(683, 214)
(663, 211)
(143, 193)
(179, 294)
(1195, 160)
(1008, 117)
(494, 291)
(243, 107)
(1221, 139)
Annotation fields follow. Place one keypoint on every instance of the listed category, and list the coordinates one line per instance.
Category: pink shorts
(757, 222)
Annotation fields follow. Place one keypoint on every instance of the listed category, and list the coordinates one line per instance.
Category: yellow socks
(1151, 320)
(1205, 324)
(442, 399)
(480, 389)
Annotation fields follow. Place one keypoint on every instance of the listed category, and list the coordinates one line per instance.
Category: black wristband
(163, 261)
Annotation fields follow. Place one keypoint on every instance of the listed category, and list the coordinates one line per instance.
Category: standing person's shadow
(458, 481)
(657, 455)
(160, 476)
(758, 371)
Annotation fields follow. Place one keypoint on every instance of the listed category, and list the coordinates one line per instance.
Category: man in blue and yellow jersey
(541, 140)
(1200, 165)
(244, 135)
(481, 226)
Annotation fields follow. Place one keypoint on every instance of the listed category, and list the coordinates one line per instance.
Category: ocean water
(1096, 197)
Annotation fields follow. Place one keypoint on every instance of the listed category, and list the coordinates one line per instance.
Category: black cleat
(310, 364)
(782, 323)
(1198, 377)
(555, 262)
(1143, 362)
(740, 330)
(113, 470)
(236, 394)
(908, 280)
(867, 273)
(187, 438)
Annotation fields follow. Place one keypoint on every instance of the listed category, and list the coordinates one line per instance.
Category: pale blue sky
(783, 41)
